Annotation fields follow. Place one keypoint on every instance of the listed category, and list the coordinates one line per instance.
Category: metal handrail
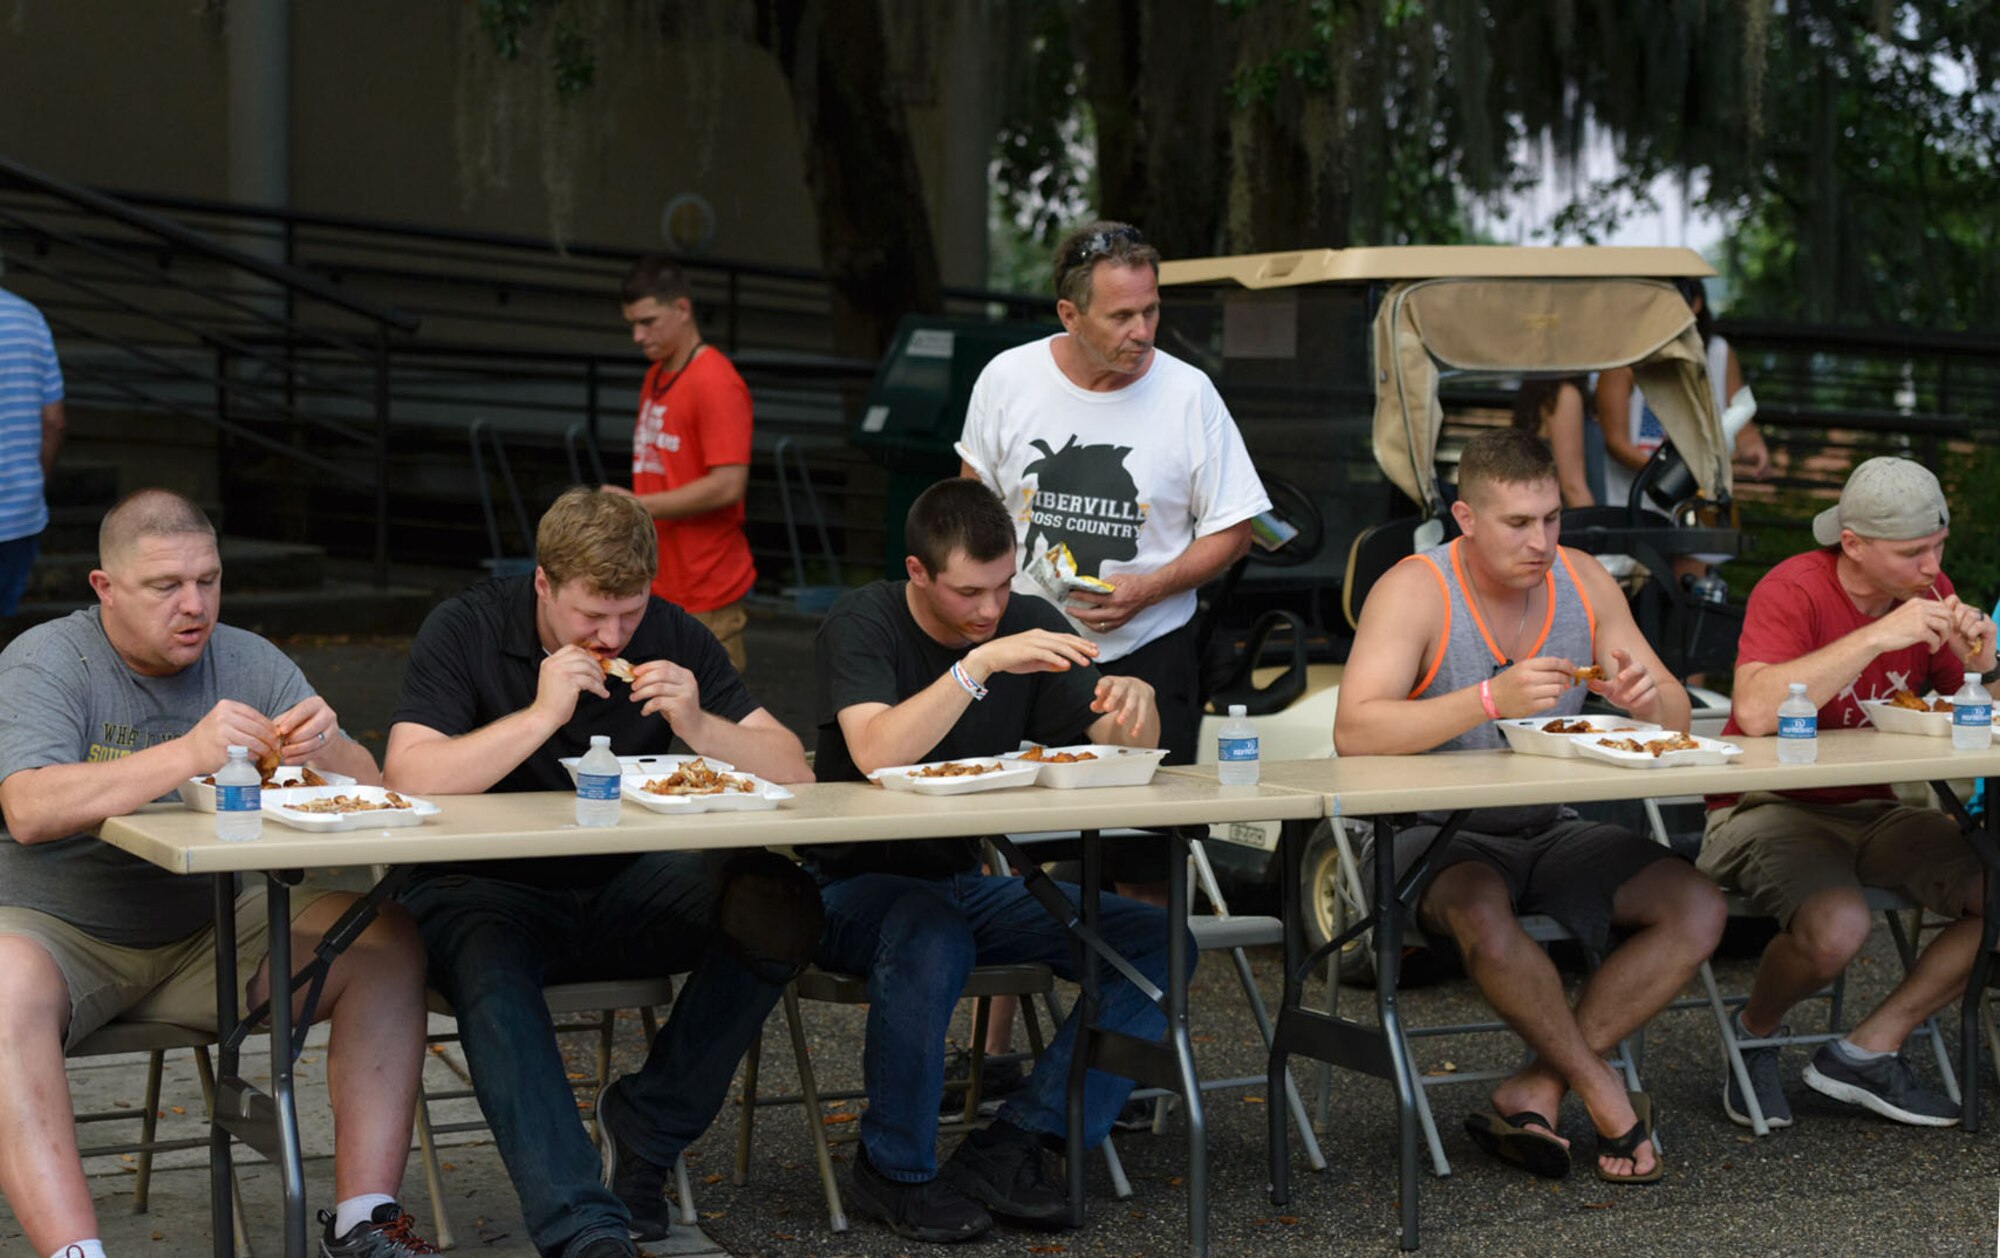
(194, 242)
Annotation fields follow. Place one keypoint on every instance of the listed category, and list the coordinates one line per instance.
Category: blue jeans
(17, 559)
(916, 940)
(494, 944)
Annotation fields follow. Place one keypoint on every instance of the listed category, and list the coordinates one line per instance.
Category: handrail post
(381, 456)
(590, 386)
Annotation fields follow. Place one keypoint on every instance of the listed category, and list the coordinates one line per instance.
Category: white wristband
(964, 679)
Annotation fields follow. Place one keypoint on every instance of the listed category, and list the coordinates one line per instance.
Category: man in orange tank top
(1495, 626)
(690, 454)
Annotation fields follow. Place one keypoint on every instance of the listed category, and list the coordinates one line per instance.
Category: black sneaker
(931, 1211)
(1886, 1085)
(998, 1081)
(389, 1233)
(1761, 1064)
(604, 1247)
(1001, 1169)
(640, 1185)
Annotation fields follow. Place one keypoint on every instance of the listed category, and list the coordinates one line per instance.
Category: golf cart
(1357, 374)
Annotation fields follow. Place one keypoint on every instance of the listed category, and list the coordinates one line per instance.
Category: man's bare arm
(54, 419)
(1761, 686)
(423, 761)
(1617, 631)
(758, 744)
(58, 800)
(711, 491)
(1376, 716)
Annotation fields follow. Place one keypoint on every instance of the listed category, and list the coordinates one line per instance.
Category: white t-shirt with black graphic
(1127, 479)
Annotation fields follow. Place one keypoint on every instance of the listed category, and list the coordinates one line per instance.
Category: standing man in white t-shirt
(1099, 442)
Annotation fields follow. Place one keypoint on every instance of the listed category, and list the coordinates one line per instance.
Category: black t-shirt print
(1084, 498)
(871, 650)
(478, 658)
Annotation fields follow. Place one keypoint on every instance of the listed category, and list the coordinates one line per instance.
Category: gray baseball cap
(1889, 498)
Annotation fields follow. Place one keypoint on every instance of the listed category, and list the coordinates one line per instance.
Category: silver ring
(322, 736)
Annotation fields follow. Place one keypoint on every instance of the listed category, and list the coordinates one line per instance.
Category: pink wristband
(1486, 700)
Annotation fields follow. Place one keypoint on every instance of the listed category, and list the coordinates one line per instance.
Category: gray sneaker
(1761, 1064)
(1886, 1085)
(389, 1234)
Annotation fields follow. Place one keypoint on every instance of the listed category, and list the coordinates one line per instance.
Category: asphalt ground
(1837, 1183)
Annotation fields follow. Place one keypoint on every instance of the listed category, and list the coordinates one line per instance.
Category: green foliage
(511, 24)
(1971, 478)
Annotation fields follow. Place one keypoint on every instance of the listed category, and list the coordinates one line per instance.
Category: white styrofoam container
(1525, 734)
(899, 777)
(767, 795)
(200, 796)
(651, 766)
(1887, 716)
(1711, 751)
(1114, 766)
(276, 808)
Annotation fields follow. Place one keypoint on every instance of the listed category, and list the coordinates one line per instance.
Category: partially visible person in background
(31, 431)
(1552, 409)
(1632, 432)
(690, 454)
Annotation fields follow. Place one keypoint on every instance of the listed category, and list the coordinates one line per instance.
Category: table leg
(1291, 853)
(1183, 1045)
(1388, 972)
(220, 1152)
(278, 904)
(1086, 1022)
(1984, 836)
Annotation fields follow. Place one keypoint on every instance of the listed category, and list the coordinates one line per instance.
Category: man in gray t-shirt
(114, 708)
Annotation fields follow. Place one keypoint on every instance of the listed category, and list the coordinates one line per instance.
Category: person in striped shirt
(31, 427)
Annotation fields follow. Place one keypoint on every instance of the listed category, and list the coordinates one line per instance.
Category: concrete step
(247, 564)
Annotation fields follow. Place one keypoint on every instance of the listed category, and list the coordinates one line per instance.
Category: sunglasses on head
(1099, 243)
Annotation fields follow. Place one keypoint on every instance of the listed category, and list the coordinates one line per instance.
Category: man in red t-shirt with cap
(1868, 613)
(690, 454)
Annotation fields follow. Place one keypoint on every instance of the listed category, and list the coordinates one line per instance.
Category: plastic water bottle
(239, 798)
(1236, 750)
(1798, 728)
(1971, 716)
(597, 780)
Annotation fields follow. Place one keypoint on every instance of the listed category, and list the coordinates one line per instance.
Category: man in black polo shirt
(943, 666)
(503, 681)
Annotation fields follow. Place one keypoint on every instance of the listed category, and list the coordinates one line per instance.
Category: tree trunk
(875, 240)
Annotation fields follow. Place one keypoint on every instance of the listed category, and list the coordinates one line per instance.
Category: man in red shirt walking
(1868, 613)
(690, 453)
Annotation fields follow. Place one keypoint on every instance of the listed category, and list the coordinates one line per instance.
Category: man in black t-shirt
(503, 681)
(943, 666)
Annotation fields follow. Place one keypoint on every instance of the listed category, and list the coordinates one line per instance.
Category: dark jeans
(17, 559)
(494, 944)
(916, 940)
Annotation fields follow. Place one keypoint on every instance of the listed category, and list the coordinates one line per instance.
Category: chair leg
(1732, 1055)
(149, 1129)
(815, 1117)
(1262, 1016)
(747, 1108)
(1440, 1164)
(1986, 1003)
(433, 1172)
(975, 1082)
(205, 1070)
(1120, 1185)
(685, 1191)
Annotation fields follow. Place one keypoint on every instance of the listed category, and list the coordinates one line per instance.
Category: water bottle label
(1237, 748)
(597, 785)
(1972, 714)
(239, 798)
(1798, 726)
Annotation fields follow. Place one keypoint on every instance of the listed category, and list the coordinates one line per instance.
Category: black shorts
(1168, 664)
(1569, 871)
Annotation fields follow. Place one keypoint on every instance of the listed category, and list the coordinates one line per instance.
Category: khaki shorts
(1781, 852)
(726, 623)
(173, 984)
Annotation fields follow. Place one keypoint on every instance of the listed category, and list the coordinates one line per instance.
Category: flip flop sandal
(1627, 1145)
(1508, 1139)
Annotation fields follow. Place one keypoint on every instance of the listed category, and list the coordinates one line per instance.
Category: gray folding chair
(593, 1008)
(155, 1040)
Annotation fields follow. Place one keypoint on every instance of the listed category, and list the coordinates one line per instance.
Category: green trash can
(916, 406)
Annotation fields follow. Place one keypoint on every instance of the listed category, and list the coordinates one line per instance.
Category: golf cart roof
(1419, 262)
